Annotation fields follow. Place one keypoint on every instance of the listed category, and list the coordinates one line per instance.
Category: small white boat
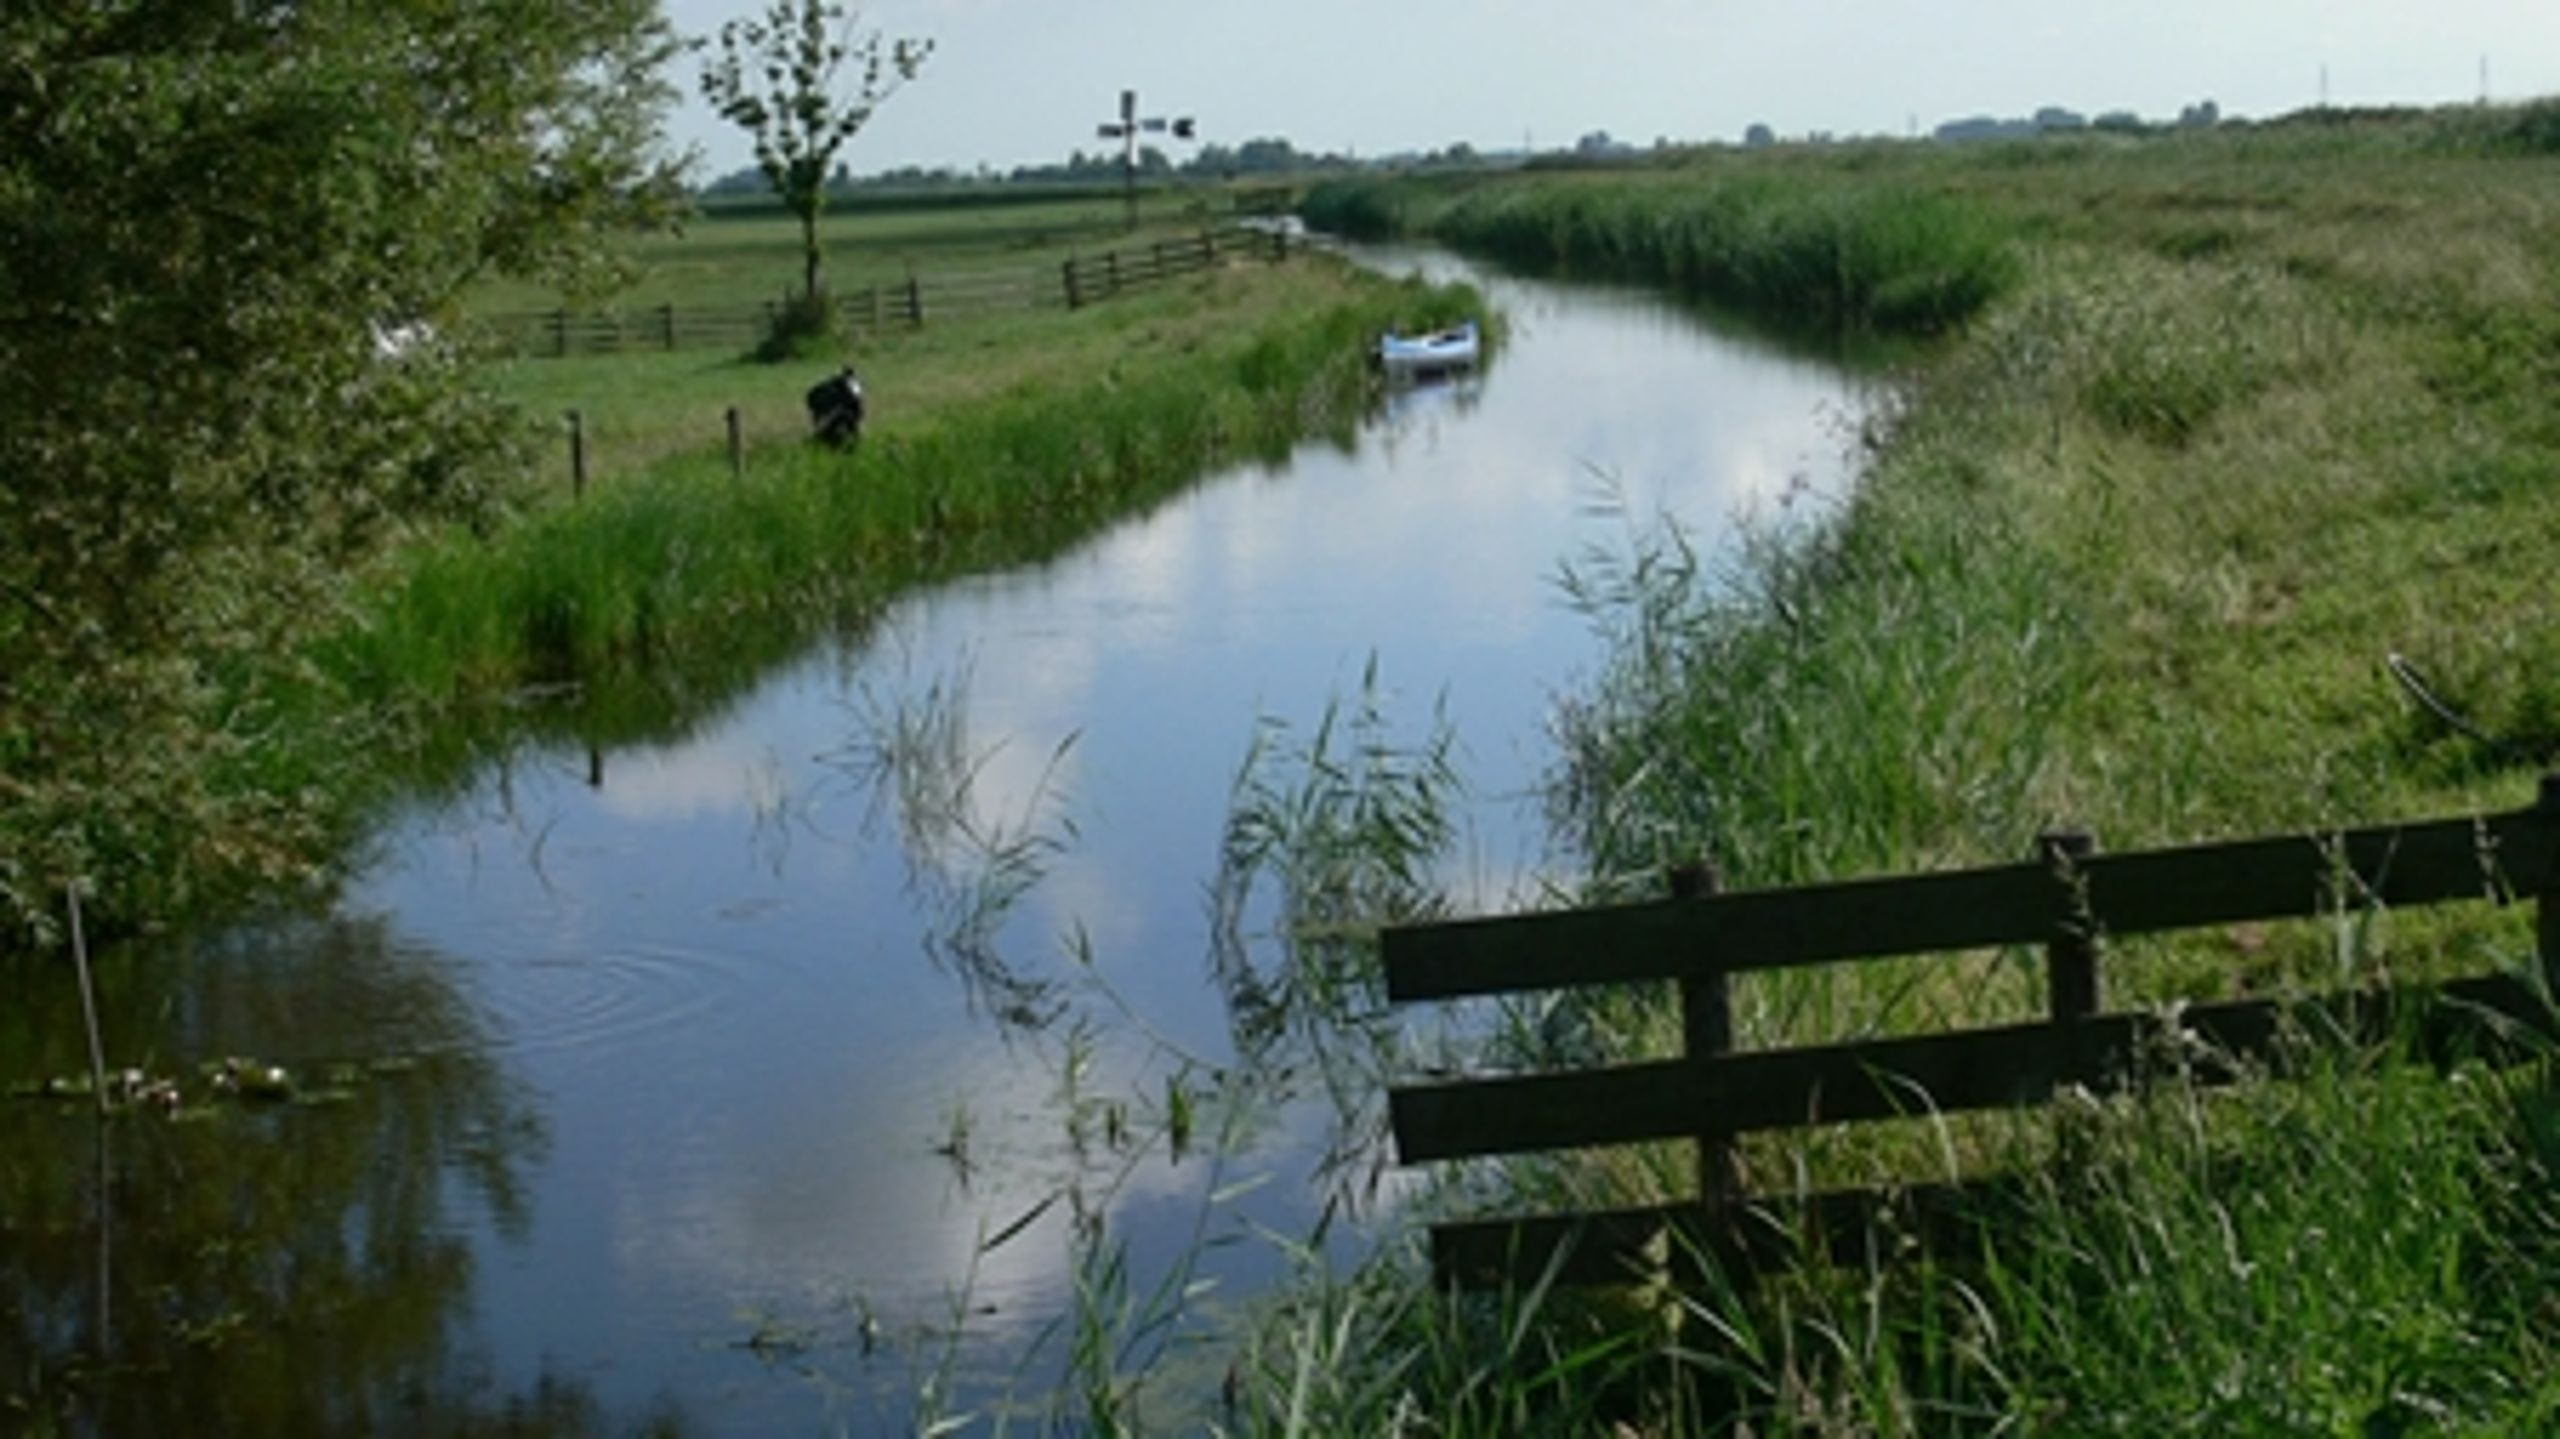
(1455, 348)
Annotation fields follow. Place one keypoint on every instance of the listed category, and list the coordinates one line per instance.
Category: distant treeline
(1274, 158)
(2203, 115)
(1268, 155)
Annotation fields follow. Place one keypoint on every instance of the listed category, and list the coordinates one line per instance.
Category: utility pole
(1126, 132)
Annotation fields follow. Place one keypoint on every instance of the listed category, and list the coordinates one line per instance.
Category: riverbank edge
(1805, 254)
(2010, 626)
(645, 607)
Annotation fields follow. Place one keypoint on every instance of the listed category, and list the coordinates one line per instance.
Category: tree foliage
(214, 221)
(776, 76)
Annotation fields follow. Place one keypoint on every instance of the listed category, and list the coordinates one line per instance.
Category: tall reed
(1818, 253)
(2129, 552)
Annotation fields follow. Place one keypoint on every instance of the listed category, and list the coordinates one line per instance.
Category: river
(782, 1077)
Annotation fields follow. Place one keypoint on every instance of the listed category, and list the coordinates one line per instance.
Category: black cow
(835, 409)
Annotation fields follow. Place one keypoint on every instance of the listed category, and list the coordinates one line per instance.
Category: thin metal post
(88, 1003)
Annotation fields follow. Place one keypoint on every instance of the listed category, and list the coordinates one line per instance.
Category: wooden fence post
(1074, 300)
(1706, 1030)
(667, 315)
(1111, 269)
(560, 333)
(2071, 955)
(2546, 903)
(577, 455)
(915, 302)
(1208, 249)
(737, 446)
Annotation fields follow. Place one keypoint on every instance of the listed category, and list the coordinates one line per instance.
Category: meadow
(2223, 423)
(643, 404)
(998, 437)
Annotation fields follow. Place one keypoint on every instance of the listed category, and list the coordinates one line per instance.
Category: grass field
(744, 253)
(2253, 411)
(644, 405)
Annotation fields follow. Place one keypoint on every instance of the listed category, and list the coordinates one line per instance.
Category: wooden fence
(2067, 900)
(1091, 278)
(872, 309)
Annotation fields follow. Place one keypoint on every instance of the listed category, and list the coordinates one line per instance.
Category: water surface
(720, 1062)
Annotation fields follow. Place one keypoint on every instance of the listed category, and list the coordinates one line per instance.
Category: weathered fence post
(1074, 300)
(667, 316)
(1706, 1031)
(1111, 269)
(577, 455)
(2546, 902)
(560, 333)
(2071, 955)
(737, 446)
(1208, 249)
(915, 302)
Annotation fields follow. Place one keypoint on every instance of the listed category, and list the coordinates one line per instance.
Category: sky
(1025, 81)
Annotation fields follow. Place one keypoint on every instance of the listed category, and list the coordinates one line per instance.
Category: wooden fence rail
(2067, 900)
(908, 304)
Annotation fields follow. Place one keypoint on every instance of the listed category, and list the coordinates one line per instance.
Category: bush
(804, 327)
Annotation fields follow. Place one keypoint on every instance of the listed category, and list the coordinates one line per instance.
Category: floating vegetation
(235, 1080)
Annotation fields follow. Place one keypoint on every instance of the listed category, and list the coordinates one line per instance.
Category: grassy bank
(1872, 254)
(2133, 550)
(995, 445)
(998, 438)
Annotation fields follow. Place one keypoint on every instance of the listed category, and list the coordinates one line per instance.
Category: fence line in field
(910, 304)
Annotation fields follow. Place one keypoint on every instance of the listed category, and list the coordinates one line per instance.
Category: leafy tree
(214, 221)
(1267, 155)
(776, 77)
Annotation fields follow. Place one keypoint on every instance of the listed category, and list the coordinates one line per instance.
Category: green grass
(2254, 410)
(996, 443)
(642, 406)
(1856, 254)
(2348, 1253)
(744, 254)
